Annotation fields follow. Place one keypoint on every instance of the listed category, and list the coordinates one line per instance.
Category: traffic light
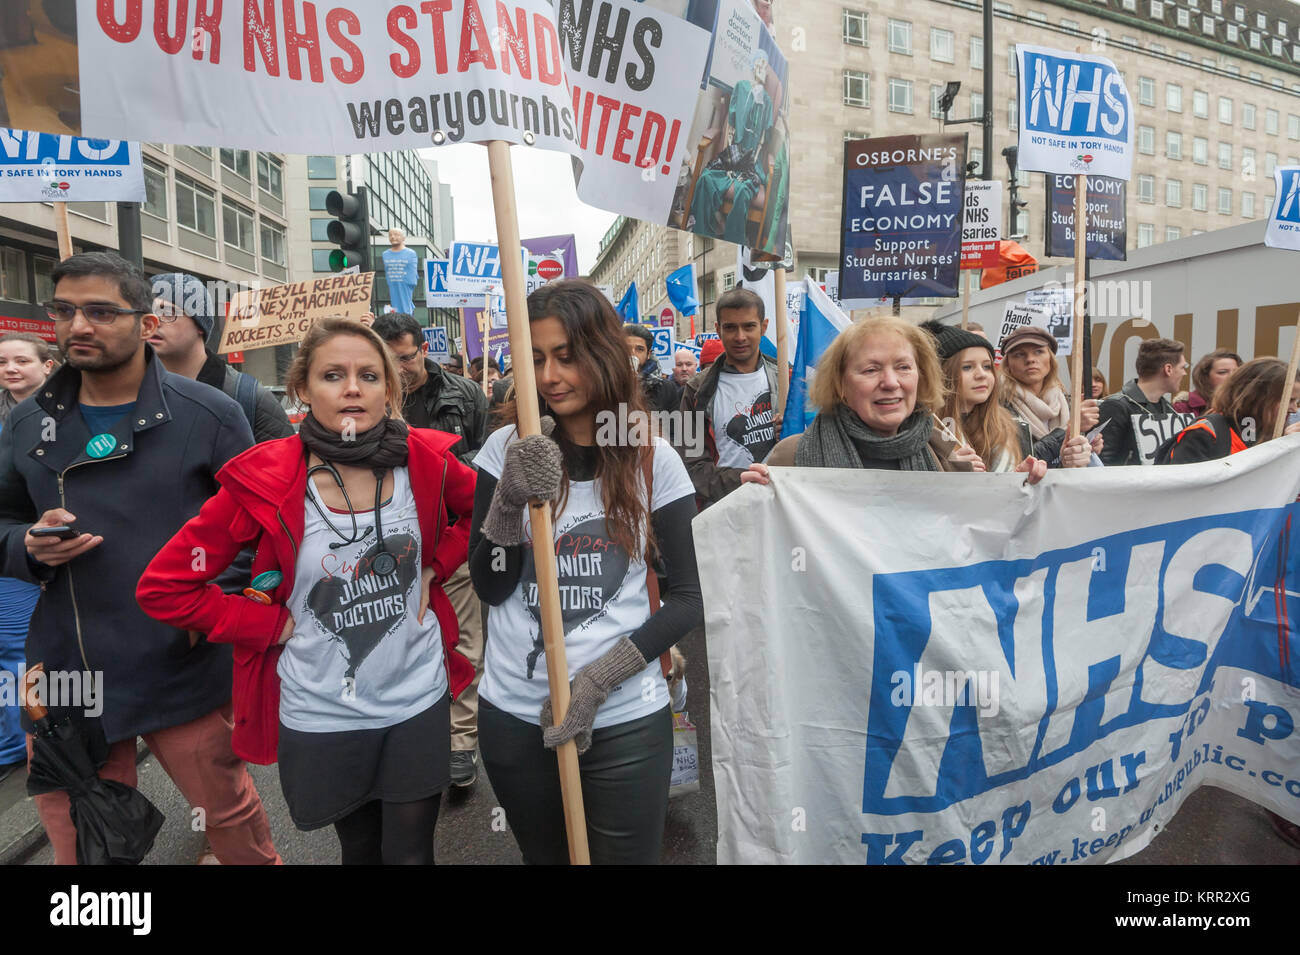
(350, 230)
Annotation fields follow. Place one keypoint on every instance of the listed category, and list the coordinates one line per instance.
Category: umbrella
(116, 824)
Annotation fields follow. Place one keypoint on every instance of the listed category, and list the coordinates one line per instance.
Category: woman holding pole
(623, 505)
(1032, 385)
(1242, 414)
(345, 642)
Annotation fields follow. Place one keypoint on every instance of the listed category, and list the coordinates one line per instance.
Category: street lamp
(1012, 155)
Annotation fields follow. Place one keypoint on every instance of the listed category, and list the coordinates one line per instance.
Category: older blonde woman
(875, 389)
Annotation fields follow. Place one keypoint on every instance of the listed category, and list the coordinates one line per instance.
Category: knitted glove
(533, 469)
(587, 691)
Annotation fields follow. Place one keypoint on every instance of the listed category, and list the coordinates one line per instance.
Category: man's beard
(102, 362)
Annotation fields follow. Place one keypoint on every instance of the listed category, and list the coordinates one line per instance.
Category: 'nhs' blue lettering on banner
(1075, 98)
(23, 148)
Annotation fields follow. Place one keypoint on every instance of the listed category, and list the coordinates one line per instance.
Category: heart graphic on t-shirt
(361, 611)
(590, 569)
(753, 429)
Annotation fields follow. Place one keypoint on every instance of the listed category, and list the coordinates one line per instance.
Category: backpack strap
(651, 578)
(246, 395)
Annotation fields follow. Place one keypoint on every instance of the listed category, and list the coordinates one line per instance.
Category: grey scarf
(830, 440)
(7, 404)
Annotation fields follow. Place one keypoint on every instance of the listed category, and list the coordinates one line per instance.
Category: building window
(1070, 25)
(320, 260)
(237, 225)
(1233, 32)
(1270, 163)
(936, 94)
(1232, 69)
(1157, 10)
(1248, 115)
(855, 27)
(1247, 162)
(1270, 122)
(1248, 205)
(237, 161)
(322, 167)
(155, 190)
(1173, 233)
(1254, 40)
(1225, 155)
(1216, 6)
(1146, 91)
(1225, 201)
(1147, 140)
(320, 227)
(1173, 97)
(1146, 188)
(1200, 196)
(1011, 59)
(273, 243)
(1225, 110)
(1173, 145)
(976, 156)
(316, 198)
(857, 88)
(42, 266)
(1146, 234)
(13, 275)
(1207, 26)
(977, 53)
(196, 206)
(1200, 104)
(1013, 115)
(1200, 150)
(1184, 18)
(900, 36)
(270, 175)
(1292, 126)
(941, 46)
(1174, 193)
(1037, 15)
(976, 105)
(900, 96)
(1239, 13)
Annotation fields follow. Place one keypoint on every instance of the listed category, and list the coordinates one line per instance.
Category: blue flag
(681, 289)
(819, 322)
(629, 306)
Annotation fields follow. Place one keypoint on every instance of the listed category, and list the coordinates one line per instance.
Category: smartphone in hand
(62, 532)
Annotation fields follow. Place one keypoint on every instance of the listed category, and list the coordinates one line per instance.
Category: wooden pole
(487, 324)
(62, 229)
(782, 342)
(548, 592)
(1280, 424)
(1080, 249)
(965, 301)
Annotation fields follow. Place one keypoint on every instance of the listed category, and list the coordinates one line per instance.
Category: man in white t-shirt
(737, 396)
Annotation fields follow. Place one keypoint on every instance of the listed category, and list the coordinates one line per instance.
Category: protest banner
(39, 167)
(1107, 216)
(663, 348)
(820, 322)
(981, 224)
(1283, 232)
(436, 292)
(1020, 314)
(901, 229)
(282, 314)
(990, 679)
(436, 337)
(1058, 302)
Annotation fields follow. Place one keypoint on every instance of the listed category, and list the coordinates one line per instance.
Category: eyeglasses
(408, 359)
(95, 314)
(167, 313)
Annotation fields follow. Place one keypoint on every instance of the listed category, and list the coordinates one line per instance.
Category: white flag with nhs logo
(1283, 230)
(1075, 114)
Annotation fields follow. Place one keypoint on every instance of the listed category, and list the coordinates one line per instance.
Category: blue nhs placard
(1075, 114)
(39, 167)
(438, 347)
(1283, 231)
(436, 293)
(476, 266)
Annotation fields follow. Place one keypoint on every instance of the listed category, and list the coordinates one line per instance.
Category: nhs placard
(436, 293)
(1283, 230)
(1075, 114)
(39, 167)
(476, 266)
(663, 348)
(436, 336)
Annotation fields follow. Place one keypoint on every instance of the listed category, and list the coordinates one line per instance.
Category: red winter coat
(261, 501)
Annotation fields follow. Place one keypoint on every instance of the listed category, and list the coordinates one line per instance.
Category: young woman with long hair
(1243, 414)
(342, 673)
(1031, 384)
(623, 503)
(1210, 372)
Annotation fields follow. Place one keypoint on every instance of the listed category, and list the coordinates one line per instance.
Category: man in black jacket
(117, 448)
(445, 401)
(661, 392)
(185, 320)
(1139, 418)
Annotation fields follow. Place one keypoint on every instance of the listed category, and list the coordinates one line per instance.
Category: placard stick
(62, 230)
(782, 342)
(548, 591)
(965, 302)
(1280, 424)
(1080, 250)
(486, 319)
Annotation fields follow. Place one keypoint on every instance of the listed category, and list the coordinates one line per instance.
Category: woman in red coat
(342, 674)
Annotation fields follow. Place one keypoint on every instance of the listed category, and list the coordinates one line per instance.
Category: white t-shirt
(602, 594)
(743, 427)
(357, 658)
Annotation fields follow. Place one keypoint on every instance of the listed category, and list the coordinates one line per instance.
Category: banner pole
(486, 320)
(1280, 424)
(62, 230)
(782, 342)
(965, 302)
(1080, 250)
(548, 592)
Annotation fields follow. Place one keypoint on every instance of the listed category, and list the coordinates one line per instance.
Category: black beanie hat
(950, 339)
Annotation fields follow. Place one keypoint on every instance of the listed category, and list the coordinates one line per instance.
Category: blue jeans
(17, 601)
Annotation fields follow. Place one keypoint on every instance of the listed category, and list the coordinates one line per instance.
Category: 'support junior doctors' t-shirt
(602, 597)
(357, 658)
(743, 427)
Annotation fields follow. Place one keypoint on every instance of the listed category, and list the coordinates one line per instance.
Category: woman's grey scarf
(831, 441)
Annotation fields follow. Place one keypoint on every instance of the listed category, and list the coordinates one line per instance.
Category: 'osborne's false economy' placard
(902, 225)
(1075, 114)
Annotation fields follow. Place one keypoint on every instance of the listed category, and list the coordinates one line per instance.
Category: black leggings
(625, 777)
(389, 833)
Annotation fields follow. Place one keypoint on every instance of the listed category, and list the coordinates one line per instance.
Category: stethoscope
(384, 562)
